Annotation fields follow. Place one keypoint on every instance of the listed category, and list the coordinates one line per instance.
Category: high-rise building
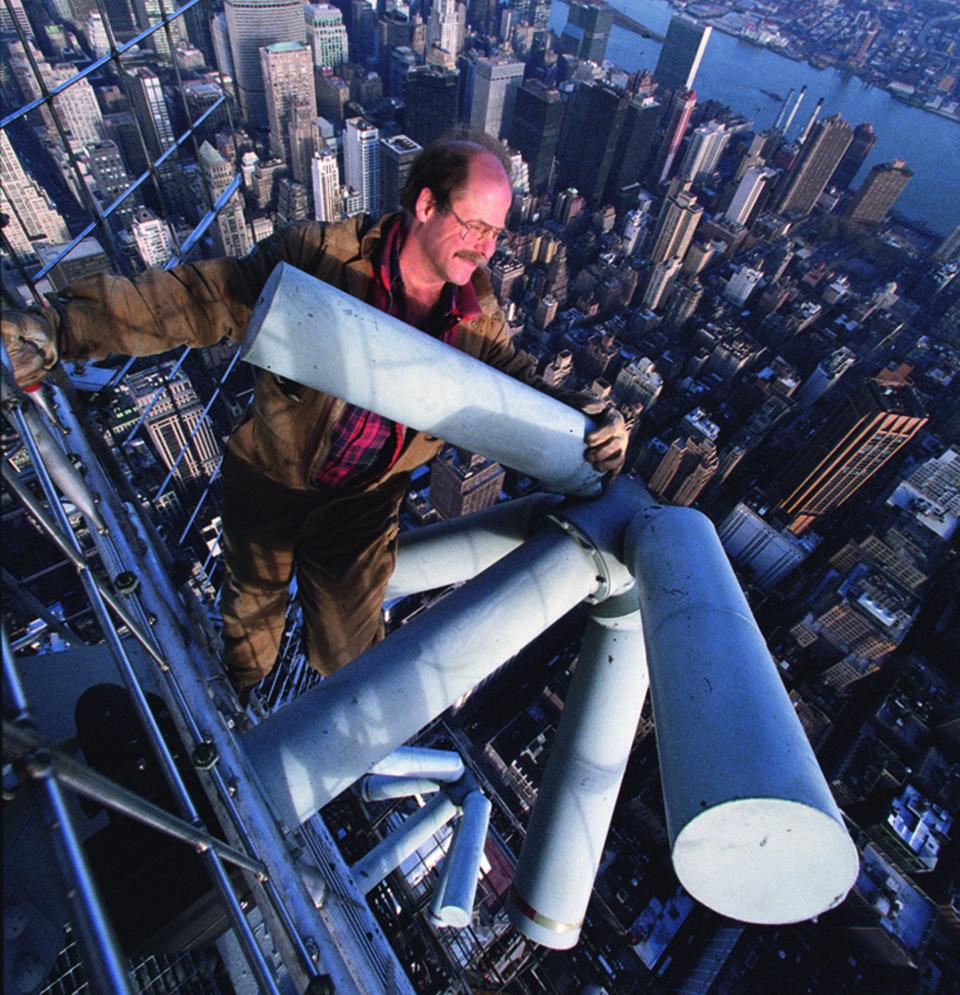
(638, 383)
(252, 25)
(303, 132)
(742, 284)
(752, 184)
(766, 553)
(32, 219)
(682, 53)
(397, 155)
(175, 422)
(634, 149)
(287, 70)
(688, 463)
(85, 259)
(684, 302)
(589, 137)
(704, 149)
(819, 156)
(494, 94)
(326, 35)
(230, 228)
(153, 237)
(462, 483)
(151, 12)
(661, 280)
(145, 93)
(110, 179)
(535, 129)
(587, 30)
(402, 60)
(293, 201)
(444, 27)
(13, 15)
(879, 192)
(864, 139)
(676, 223)
(361, 162)
(431, 98)
(865, 430)
(826, 376)
(678, 120)
(326, 186)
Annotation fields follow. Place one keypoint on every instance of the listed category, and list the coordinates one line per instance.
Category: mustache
(474, 257)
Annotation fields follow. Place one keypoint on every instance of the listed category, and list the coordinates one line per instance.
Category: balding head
(446, 166)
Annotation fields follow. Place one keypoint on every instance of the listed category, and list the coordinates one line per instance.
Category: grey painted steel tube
(452, 552)
(314, 334)
(462, 869)
(379, 787)
(317, 746)
(754, 830)
(576, 798)
(420, 761)
(390, 852)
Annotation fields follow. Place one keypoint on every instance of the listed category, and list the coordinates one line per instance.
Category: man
(313, 485)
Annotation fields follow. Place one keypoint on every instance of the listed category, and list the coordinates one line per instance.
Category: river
(736, 72)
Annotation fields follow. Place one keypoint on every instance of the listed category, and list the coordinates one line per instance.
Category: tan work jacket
(286, 438)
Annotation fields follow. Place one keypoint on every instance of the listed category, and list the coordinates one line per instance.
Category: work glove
(30, 339)
(607, 443)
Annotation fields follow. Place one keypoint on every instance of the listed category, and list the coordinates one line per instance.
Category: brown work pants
(343, 549)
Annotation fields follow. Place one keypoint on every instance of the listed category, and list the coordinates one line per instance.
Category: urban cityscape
(782, 340)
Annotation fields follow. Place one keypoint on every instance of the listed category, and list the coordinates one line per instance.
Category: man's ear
(425, 205)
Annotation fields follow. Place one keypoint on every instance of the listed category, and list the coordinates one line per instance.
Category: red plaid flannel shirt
(366, 445)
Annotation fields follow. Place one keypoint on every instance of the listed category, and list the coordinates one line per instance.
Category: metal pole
(462, 869)
(576, 798)
(309, 332)
(754, 830)
(389, 853)
(317, 746)
(101, 952)
(377, 788)
(440, 765)
(452, 552)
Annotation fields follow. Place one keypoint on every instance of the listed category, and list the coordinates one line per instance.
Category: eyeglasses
(478, 231)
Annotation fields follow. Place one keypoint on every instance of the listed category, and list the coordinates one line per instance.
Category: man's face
(458, 239)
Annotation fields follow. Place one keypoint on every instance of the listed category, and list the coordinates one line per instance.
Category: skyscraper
(145, 93)
(864, 139)
(535, 130)
(153, 237)
(587, 30)
(443, 28)
(111, 179)
(303, 132)
(396, 160)
(704, 149)
(819, 156)
(682, 53)
(326, 186)
(494, 94)
(676, 224)
(688, 463)
(251, 25)
(230, 228)
(879, 192)
(634, 149)
(677, 121)
(589, 137)
(361, 162)
(326, 35)
(864, 431)
(287, 69)
(751, 186)
(463, 483)
(660, 282)
(431, 98)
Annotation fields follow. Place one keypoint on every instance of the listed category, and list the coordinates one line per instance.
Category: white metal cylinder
(452, 552)
(310, 751)
(314, 334)
(575, 801)
(440, 765)
(754, 829)
(463, 862)
(392, 851)
(378, 788)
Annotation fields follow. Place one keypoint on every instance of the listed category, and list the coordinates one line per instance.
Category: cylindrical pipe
(575, 801)
(794, 109)
(378, 788)
(452, 552)
(754, 830)
(406, 761)
(390, 853)
(314, 334)
(783, 111)
(808, 127)
(310, 751)
(462, 869)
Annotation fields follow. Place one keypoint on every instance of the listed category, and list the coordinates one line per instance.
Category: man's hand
(30, 339)
(607, 443)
